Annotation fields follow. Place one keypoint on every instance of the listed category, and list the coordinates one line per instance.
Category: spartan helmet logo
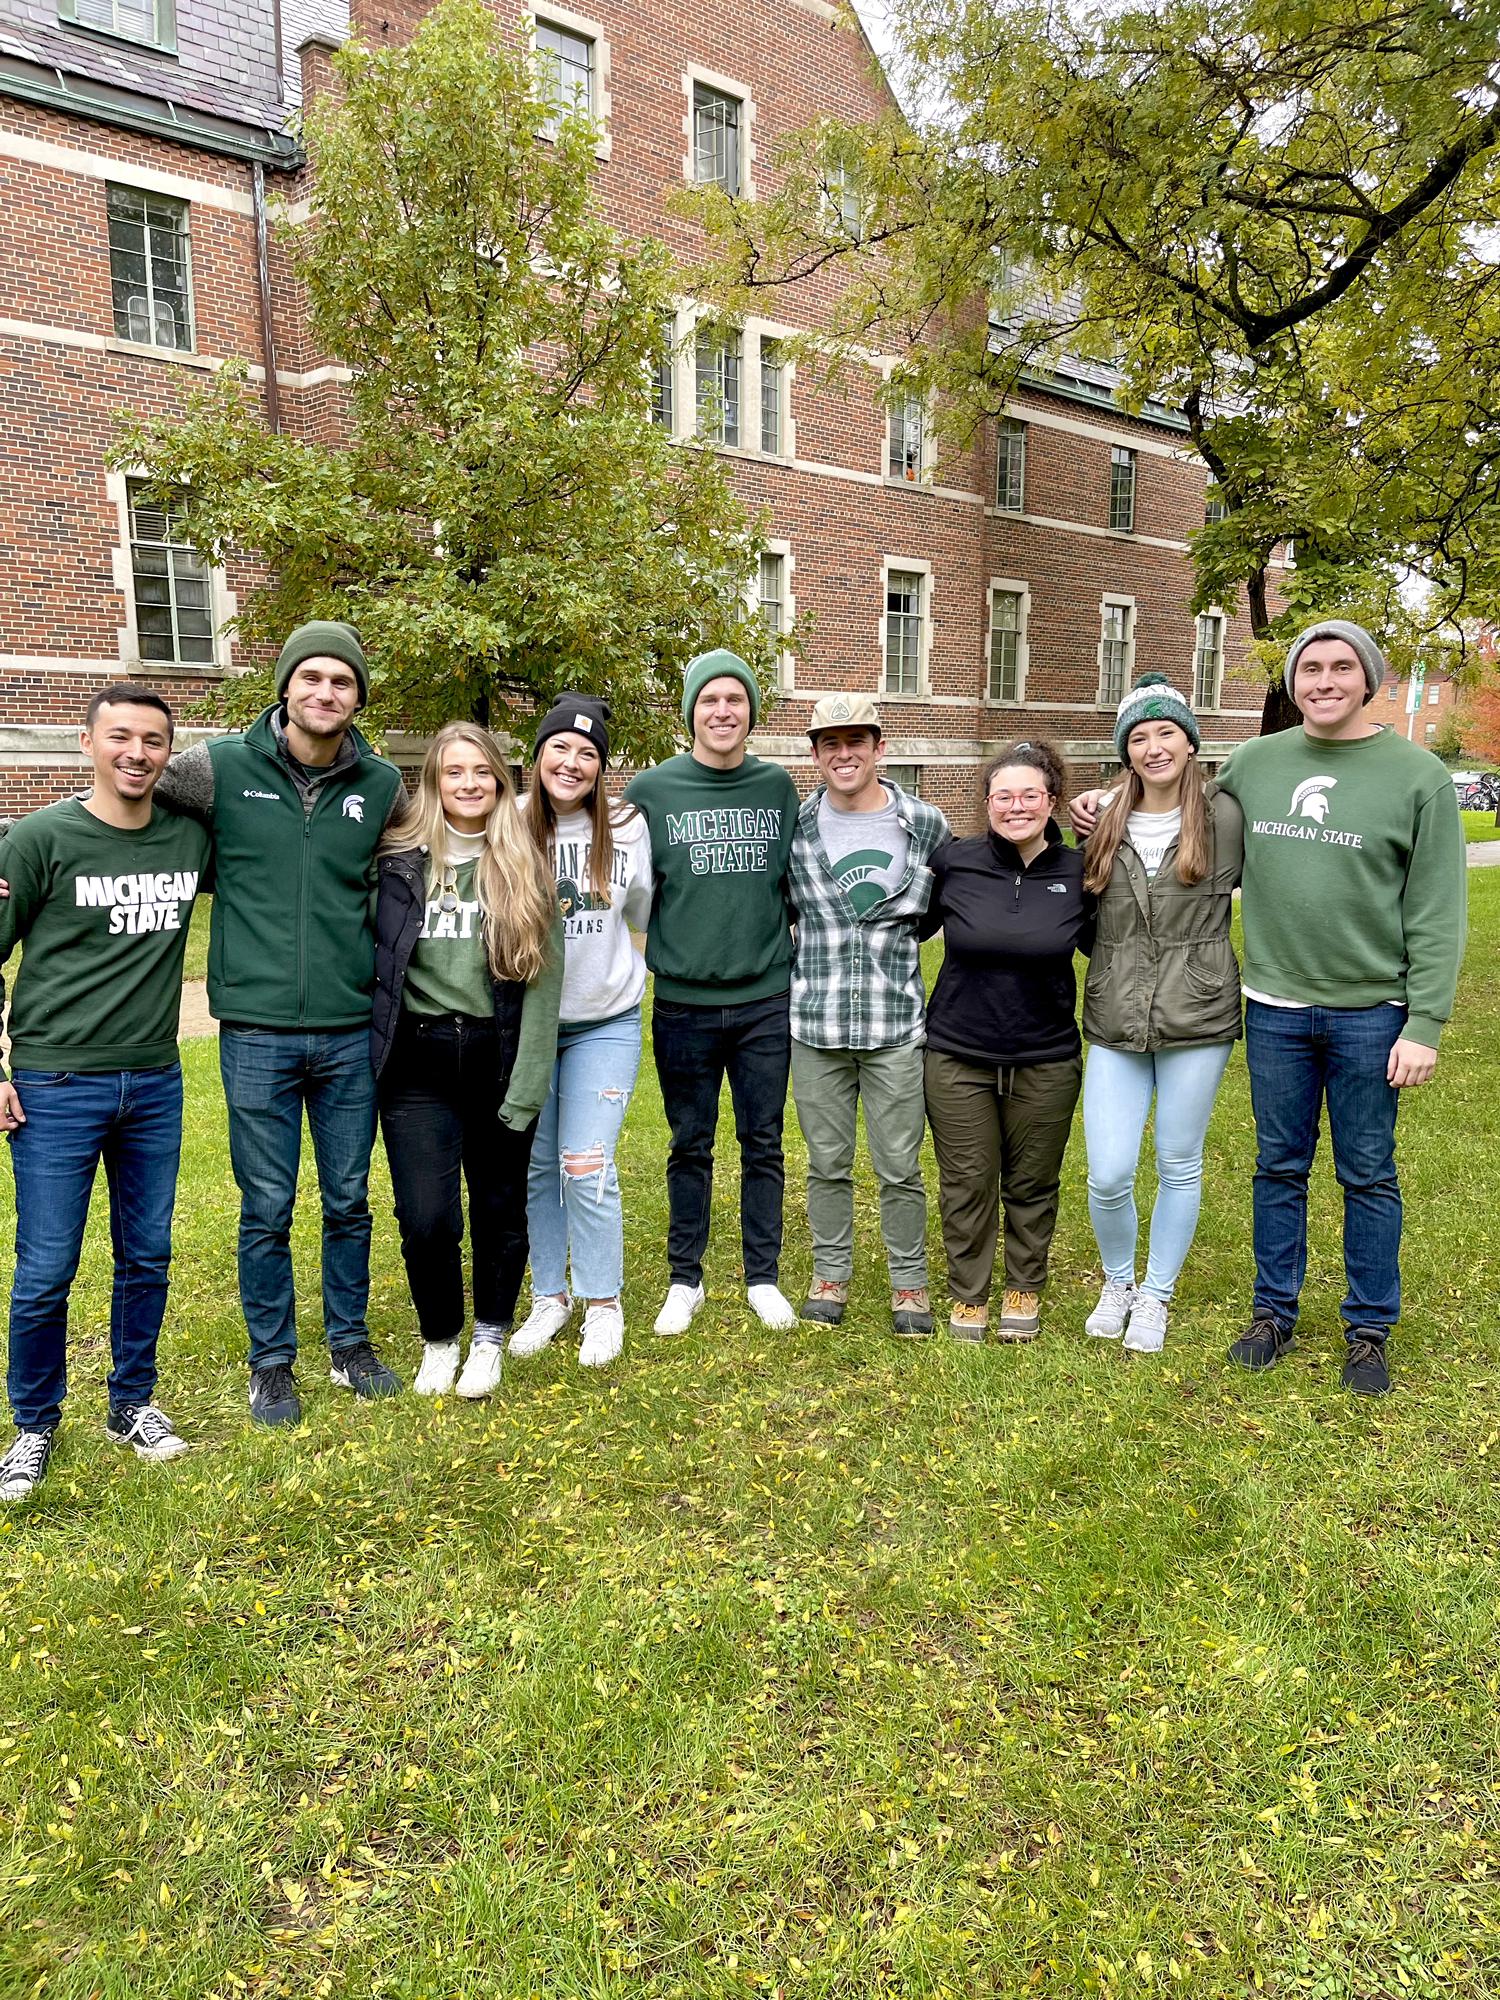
(354, 806)
(1310, 799)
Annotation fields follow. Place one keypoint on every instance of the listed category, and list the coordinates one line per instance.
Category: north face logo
(354, 806)
(1311, 798)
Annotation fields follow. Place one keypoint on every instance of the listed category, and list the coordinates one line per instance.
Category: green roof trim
(136, 111)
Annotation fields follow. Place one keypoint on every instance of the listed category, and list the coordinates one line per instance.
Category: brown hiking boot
(1020, 1316)
(825, 1302)
(911, 1313)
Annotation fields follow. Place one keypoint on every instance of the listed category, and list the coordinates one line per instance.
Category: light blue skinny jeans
(573, 1194)
(1117, 1090)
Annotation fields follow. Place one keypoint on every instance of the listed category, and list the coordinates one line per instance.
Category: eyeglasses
(1031, 801)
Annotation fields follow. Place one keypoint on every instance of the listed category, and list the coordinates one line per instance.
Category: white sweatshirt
(603, 973)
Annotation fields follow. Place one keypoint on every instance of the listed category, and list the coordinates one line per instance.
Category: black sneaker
(361, 1369)
(146, 1429)
(1262, 1344)
(23, 1465)
(273, 1395)
(1365, 1371)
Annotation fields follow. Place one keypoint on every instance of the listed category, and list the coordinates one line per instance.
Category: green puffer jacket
(1163, 974)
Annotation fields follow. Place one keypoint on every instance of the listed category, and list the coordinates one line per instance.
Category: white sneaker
(1107, 1320)
(679, 1309)
(770, 1307)
(439, 1366)
(541, 1326)
(481, 1376)
(603, 1335)
(1147, 1332)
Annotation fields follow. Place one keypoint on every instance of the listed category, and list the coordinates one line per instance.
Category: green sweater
(720, 843)
(1354, 882)
(104, 915)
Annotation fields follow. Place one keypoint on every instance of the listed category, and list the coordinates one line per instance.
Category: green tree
(1273, 216)
(501, 518)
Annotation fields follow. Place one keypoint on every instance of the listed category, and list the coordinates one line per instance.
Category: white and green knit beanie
(1154, 699)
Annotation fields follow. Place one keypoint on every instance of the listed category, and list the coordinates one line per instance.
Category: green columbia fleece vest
(291, 944)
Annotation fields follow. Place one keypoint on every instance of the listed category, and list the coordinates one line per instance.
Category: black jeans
(695, 1048)
(440, 1098)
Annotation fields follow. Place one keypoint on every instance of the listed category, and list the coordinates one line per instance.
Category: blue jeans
(1299, 1057)
(268, 1080)
(132, 1120)
(573, 1200)
(695, 1049)
(1117, 1091)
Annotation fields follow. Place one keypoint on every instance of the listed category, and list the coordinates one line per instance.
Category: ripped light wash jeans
(573, 1197)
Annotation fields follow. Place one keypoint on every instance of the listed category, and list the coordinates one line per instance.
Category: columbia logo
(263, 795)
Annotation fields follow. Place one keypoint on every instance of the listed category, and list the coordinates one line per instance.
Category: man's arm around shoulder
(187, 784)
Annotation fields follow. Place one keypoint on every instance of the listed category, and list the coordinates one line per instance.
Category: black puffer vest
(400, 909)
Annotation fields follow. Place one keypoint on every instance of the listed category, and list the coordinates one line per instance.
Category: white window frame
(1009, 427)
(1209, 704)
(787, 447)
(163, 23)
(1117, 454)
(724, 442)
(1113, 600)
(175, 202)
(727, 86)
(841, 191)
(671, 333)
(223, 602)
(1011, 587)
(922, 474)
(918, 566)
(785, 659)
(587, 30)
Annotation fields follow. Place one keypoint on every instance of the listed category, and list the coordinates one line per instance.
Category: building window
(1010, 466)
(907, 776)
(173, 589)
(908, 438)
(773, 380)
(149, 268)
(1122, 488)
(1434, 696)
(1116, 649)
(771, 593)
(664, 378)
(1007, 643)
(716, 138)
(1215, 510)
(718, 368)
(1391, 690)
(152, 21)
(1208, 659)
(905, 619)
(845, 207)
(565, 61)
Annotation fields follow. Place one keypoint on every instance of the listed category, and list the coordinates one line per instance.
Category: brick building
(1016, 588)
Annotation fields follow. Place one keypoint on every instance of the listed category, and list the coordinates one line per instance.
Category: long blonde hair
(1193, 844)
(517, 897)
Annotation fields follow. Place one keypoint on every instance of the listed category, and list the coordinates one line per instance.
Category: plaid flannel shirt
(857, 979)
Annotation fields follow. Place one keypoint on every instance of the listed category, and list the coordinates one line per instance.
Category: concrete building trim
(713, 79)
(97, 166)
(919, 566)
(223, 601)
(1018, 588)
(592, 31)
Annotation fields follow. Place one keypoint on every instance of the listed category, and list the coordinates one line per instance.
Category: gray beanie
(1370, 656)
(1154, 699)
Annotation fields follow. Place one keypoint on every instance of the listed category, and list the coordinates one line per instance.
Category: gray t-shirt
(867, 851)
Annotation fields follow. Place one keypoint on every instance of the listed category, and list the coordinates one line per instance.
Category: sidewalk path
(1484, 853)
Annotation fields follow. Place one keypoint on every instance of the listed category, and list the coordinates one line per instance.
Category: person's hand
(1410, 1064)
(1084, 811)
(11, 1114)
(4, 889)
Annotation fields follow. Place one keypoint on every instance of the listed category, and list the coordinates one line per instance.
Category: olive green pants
(1000, 1136)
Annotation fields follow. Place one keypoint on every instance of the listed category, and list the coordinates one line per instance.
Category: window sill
(168, 50)
(146, 350)
(885, 694)
(920, 485)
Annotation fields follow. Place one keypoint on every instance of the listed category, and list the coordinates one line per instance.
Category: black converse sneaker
(1262, 1344)
(23, 1465)
(273, 1395)
(361, 1369)
(146, 1429)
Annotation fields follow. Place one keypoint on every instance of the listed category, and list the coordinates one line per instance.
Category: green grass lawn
(808, 1664)
(1480, 826)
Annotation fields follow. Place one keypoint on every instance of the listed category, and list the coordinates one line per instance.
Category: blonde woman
(469, 967)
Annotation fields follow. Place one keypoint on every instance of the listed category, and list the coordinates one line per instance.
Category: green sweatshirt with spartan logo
(720, 843)
(103, 915)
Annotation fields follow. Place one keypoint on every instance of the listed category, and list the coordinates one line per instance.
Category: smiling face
(467, 787)
(1159, 753)
(1018, 803)
(1330, 689)
(321, 696)
(848, 760)
(721, 719)
(567, 768)
(128, 745)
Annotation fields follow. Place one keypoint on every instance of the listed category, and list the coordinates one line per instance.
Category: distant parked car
(1478, 791)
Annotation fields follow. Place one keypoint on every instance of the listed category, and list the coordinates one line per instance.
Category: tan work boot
(1020, 1316)
(968, 1322)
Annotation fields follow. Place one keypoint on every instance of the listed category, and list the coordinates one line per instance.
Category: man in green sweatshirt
(719, 943)
(1354, 902)
(296, 806)
(101, 890)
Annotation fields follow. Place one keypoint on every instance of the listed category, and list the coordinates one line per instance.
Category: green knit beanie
(324, 638)
(709, 667)
(1154, 699)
